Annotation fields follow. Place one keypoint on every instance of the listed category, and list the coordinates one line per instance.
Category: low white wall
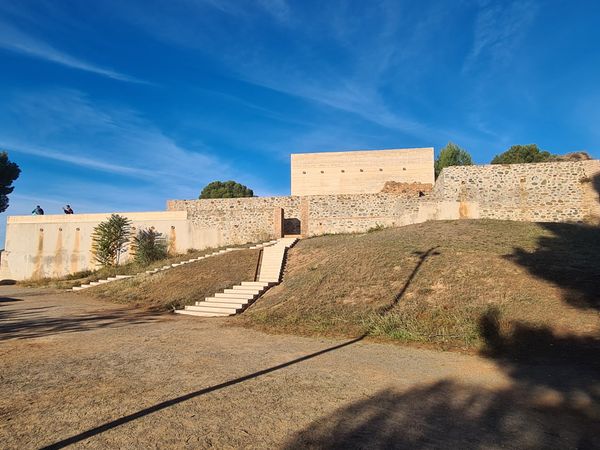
(56, 245)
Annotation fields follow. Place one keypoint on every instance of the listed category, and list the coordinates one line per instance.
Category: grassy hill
(454, 284)
(182, 285)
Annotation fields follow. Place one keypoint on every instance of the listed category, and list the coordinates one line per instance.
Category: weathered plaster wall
(358, 172)
(551, 192)
(56, 245)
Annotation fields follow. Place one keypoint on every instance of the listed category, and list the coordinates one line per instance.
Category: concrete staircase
(171, 266)
(236, 299)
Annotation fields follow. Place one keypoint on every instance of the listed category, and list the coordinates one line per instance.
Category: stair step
(200, 313)
(227, 300)
(217, 309)
(234, 299)
(235, 305)
(242, 291)
(257, 289)
(240, 295)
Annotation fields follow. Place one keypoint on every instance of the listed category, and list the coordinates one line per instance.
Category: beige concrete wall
(359, 172)
(56, 245)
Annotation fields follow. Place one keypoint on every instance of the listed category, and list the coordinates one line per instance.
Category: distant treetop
(225, 189)
(451, 155)
(520, 154)
(9, 172)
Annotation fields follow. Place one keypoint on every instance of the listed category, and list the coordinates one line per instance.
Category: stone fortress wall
(554, 192)
(543, 192)
(358, 172)
(557, 192)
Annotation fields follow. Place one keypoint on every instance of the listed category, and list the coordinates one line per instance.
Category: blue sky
(120, 105)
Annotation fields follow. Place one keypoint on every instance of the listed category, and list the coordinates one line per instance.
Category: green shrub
(225, 189)
(520, 154)
(451, 155)
(110, 239)
(149, 246)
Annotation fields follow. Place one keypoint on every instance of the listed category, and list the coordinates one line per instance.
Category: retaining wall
(544, 192)
(56, 245)
(43, 246)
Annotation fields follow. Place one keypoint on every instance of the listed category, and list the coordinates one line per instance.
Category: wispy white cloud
(66, 125)
(498, 30)
(90, 163)
(280, 9)
(17, 41)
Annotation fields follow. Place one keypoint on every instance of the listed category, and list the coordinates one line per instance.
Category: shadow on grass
(9, 300)
(423, 256)
(570, 258)
(27, 323)
(159, 406)
(554, 398)
(452, 415)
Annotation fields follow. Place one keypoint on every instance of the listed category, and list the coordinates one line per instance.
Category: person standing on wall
(38, 211)
(67, 209)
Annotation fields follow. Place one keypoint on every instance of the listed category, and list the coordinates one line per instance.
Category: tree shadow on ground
(553, 400)
(449, 414)
(570, 258)
(34, 322)
(9, 300)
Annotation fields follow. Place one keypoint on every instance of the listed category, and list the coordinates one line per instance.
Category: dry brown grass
(130, 268)
(432, 283)
(182, 285)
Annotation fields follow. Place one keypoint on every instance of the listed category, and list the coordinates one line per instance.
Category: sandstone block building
(346, 202)
(359, 172)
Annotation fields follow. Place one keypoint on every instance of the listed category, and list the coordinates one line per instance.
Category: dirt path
(76, 371)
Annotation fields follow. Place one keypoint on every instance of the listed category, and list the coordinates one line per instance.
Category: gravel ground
(82, 372)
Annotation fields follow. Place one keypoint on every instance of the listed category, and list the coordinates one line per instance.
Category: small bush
(377, 227)
(149, 246)
(110, 239)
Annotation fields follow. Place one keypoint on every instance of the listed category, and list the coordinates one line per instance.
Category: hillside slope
(439, 283)
(182, 285)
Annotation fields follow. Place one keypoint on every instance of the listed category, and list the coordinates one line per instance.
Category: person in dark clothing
(67, 209)
(38, 211)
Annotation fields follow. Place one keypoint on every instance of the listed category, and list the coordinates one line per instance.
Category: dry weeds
(182, 285)
(431, 283)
